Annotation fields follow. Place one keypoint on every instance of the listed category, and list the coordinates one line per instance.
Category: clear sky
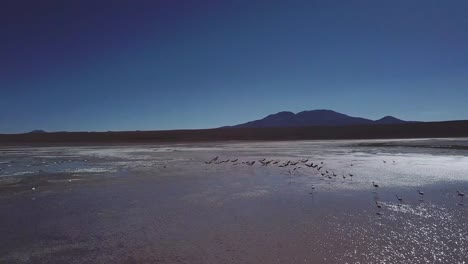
(150, 65)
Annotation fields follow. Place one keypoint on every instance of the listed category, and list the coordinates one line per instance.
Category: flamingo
(422, 194)
(378, 204)
(461, 195)
(312, 188)
(212, 160)
(399, 198)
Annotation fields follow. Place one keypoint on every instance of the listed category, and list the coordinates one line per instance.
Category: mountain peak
(318, 111)
(389, 120)
(37, 132)
(319, 117)
(282, 113)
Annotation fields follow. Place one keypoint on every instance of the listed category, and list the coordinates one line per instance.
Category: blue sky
(150, 65)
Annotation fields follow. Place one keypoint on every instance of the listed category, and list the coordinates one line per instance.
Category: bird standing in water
(421, 194)
(461, 195)
(399, 198)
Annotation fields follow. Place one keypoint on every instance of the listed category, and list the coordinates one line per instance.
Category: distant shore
(410, 130)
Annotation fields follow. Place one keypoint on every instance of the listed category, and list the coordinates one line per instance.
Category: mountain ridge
(318, 117)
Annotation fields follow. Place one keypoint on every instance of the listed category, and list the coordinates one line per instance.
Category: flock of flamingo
(320, 168)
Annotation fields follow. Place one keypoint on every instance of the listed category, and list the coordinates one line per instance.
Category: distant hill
(374, 131)
(317, 118)
(37, 132)
(389, 120)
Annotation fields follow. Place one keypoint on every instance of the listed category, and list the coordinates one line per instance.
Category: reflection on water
(425, 233)
(418, 229)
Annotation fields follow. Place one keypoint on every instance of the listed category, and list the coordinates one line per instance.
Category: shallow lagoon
(162, 203)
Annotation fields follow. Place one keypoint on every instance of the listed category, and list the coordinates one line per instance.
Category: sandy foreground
(163, 204)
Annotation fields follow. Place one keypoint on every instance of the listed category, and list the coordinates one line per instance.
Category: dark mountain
(37, 132)
(316, 118)
(375, 131)
(389, 120)
(280, 119)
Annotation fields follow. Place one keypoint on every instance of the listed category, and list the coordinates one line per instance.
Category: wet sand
(163, 204)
